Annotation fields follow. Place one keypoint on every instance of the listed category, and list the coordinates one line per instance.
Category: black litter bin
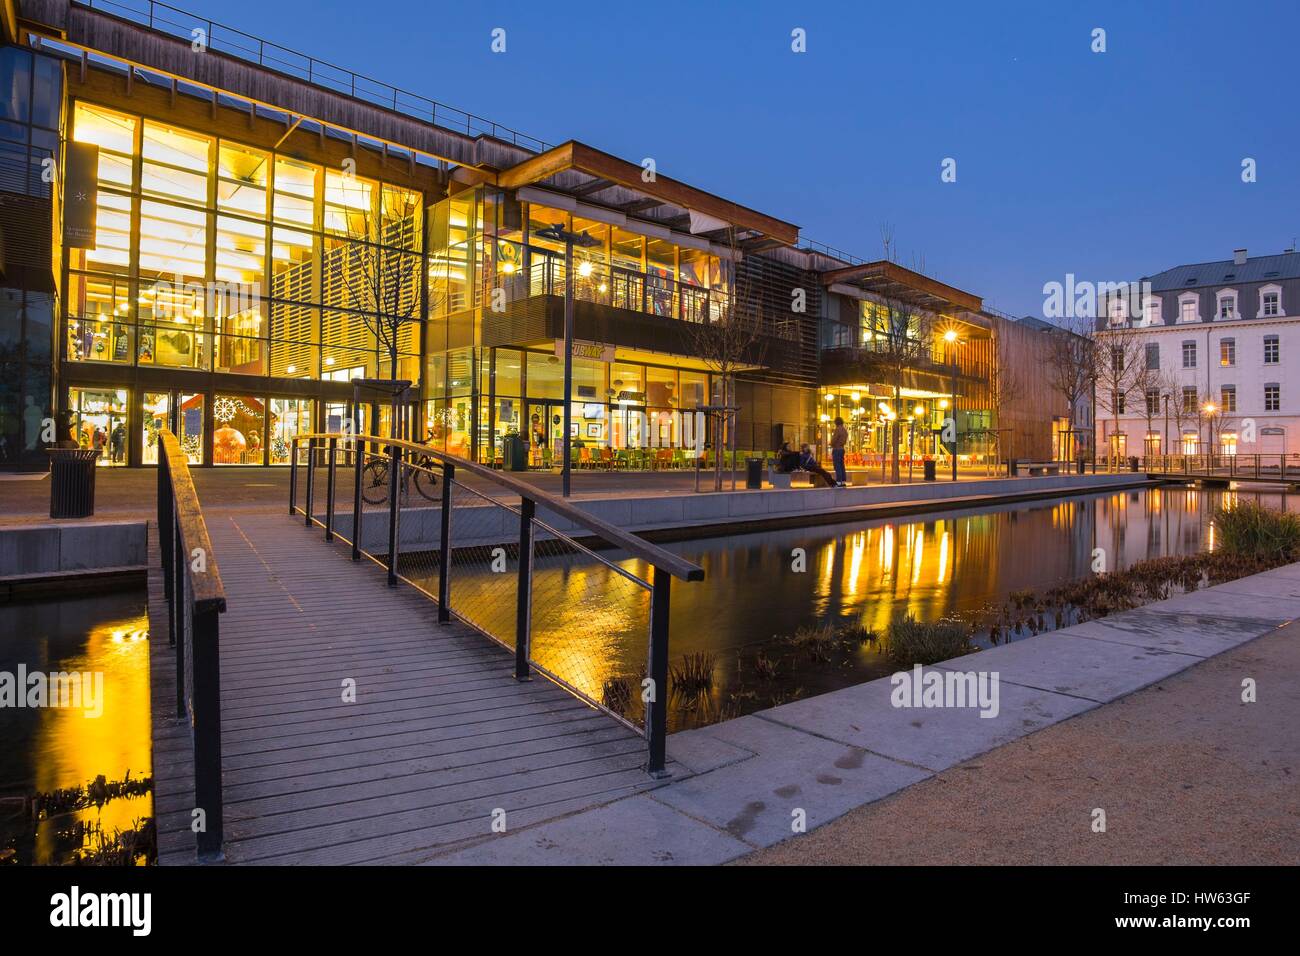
(1081, 464)
(928, 468)
(72, 482)
(1132, 463)
(753, 472)
(514, 453)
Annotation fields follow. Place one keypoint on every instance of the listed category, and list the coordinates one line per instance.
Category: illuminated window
(241, 180)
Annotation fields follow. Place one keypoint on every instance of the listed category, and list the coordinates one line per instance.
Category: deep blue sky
(1108, 165)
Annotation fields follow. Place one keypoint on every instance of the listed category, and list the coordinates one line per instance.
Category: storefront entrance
(99, 422)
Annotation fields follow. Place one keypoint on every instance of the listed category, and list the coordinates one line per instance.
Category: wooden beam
(885, 273)
(585, 159)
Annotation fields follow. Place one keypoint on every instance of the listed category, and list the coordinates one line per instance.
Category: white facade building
(1216, 340)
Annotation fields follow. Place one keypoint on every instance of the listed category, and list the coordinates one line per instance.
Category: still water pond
(590, 625)
(46, 749)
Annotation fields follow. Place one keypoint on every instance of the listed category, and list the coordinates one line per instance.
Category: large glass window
(289, 417)
(99, 417)
(240, 430)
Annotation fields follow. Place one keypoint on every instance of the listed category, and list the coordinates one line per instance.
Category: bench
(785, 479)
(1040, 467)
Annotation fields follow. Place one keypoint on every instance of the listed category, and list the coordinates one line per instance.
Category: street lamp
(557, 233)
(1209, 409)
(950, 339)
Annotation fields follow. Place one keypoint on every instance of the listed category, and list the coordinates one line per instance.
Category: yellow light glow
(856, 396)
(584, 269)
(830, 397)
(943, 403)
(950, 335)
(826, 418)
(918, 411)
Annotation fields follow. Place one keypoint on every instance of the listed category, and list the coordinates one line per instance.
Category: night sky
(1108, 165)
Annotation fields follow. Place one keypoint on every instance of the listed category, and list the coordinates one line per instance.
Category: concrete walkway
(755, 779)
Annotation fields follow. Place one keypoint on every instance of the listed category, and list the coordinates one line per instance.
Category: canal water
(47, 749)
(589, 625)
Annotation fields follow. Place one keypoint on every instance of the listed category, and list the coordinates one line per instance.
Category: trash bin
(1132, 463)
(72, 482)
(1081, 464)
(928, 467)
(514, 453)
(753, 472)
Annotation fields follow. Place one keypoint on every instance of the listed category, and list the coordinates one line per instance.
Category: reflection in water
(590, 625)
(50, 748)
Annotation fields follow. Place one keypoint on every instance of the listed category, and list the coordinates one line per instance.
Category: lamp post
(1167, 447)
(557, 233)
(950, 339)
(1209, 409)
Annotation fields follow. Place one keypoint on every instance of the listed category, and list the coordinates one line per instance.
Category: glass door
(99, 422)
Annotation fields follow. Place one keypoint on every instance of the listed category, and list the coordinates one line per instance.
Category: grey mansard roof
(1226, 272)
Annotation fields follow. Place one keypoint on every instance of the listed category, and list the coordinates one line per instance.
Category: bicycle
(374, 480)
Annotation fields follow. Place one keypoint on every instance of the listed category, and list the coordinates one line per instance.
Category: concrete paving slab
(756, 800)
(1059, 662)
(699, 751)
(1201, 635)
(634, 832)
(1264, 586)
(936, 738)
(1220, 602)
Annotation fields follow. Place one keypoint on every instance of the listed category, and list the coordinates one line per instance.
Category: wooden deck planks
(440, 735)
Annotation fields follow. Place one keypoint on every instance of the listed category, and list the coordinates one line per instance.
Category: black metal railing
(195, 601)
(224, 39)
(517, 564)
(1275, 467)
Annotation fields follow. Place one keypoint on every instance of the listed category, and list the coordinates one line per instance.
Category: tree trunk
(894, 436)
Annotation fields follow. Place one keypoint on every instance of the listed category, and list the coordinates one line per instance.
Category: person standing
(839, 438)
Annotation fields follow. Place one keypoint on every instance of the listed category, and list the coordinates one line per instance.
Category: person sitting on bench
(787, 460)
(809, 464)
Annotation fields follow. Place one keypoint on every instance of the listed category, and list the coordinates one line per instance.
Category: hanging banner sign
(80, 194)
(587, 350)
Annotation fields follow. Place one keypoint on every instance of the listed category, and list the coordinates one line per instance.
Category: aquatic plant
(694, 676)
(915, 642)
(1250, 529)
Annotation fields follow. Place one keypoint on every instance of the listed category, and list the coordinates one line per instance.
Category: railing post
(358, 464)
(293, 475)
(329, 489)
(656, 721)
(311, 481)
(524, 600)
(394, 509)
(444, 546)
(178, 614)
(165, 522)
(206, 668)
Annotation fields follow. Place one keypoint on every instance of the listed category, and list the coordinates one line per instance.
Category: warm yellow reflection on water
(53, 748)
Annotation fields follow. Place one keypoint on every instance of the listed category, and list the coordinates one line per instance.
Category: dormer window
(1226, 304)
(1189, 308)
(1270, 300)
(1152, 311)
(1118, 311)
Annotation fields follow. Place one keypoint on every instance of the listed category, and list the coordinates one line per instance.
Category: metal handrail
(195, 599)
(653, 555)
(302, 66)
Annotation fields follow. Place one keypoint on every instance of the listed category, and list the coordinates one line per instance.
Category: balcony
(928, 368)
(611, 304)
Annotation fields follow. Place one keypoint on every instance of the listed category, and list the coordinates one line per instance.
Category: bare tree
(1118, 357)
(1070, 369)
(1005, 388)
(374, 269)
(729, 341)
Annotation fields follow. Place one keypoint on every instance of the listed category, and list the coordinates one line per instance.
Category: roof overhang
(599, 177)
(890, 280)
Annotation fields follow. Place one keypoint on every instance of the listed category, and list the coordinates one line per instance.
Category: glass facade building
(224, 257)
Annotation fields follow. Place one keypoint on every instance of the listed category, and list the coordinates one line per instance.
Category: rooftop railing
(225, 39)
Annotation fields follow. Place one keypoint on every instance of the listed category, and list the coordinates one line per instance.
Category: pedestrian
(839, 438)
(117, 442)
(808, 462)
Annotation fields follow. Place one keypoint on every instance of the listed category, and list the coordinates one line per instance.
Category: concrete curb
(752, 779)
